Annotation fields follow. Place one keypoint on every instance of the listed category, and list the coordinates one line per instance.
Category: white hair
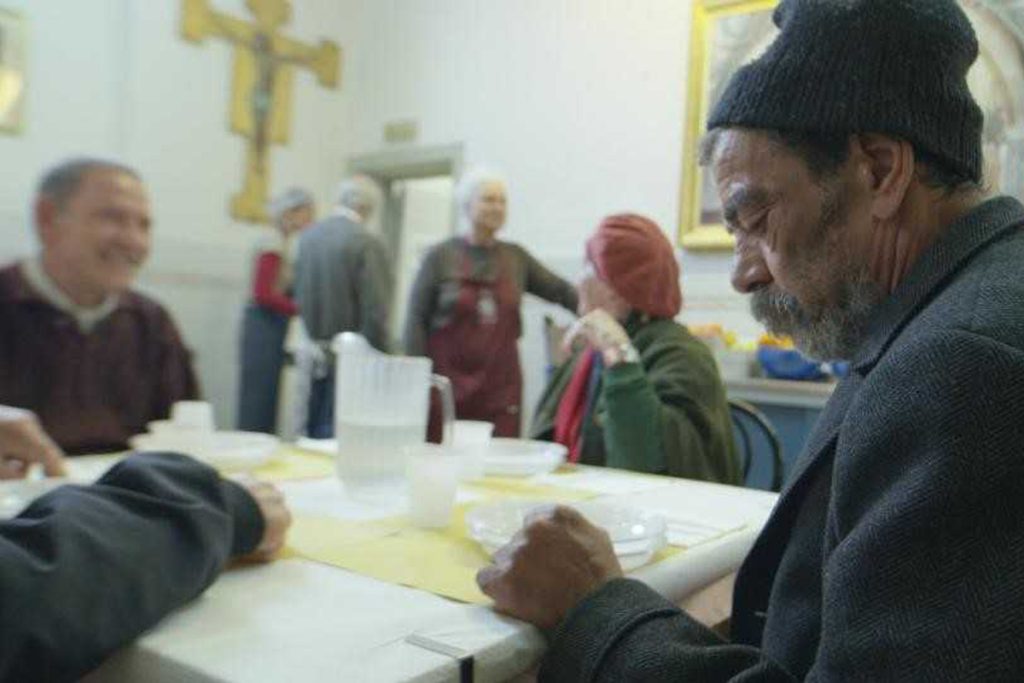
(360, 193)
(292, 198)
(470, 183)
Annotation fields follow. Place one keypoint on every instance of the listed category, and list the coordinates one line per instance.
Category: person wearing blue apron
(266, 316)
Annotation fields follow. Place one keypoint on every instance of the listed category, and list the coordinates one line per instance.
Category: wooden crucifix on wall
(265, 61)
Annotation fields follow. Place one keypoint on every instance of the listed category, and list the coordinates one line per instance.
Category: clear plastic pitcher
(381, 407)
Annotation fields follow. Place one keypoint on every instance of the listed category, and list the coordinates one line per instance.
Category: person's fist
(601, 332)
(276, 519)
(554, 562)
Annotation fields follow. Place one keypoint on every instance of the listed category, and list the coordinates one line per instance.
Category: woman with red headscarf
(642, 394)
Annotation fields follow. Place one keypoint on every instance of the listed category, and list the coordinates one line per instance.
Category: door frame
(390, 166)
(407, 163)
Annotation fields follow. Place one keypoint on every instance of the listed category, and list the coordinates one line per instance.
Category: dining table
(360, 593)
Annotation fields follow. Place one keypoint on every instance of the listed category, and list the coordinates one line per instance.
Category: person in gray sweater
(848, 159)
(343, 283)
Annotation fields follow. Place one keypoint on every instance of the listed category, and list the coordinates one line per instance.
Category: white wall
(579, 102)
(113, 77)
(426, 220)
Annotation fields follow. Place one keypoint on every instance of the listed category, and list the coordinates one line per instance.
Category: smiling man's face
(801, 243)
(100, 237)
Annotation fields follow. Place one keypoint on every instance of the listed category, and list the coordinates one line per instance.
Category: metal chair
(748, 421)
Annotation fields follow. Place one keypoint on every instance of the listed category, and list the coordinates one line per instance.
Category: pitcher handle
(444, 387)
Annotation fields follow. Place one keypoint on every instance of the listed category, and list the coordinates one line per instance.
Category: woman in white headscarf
(265, 321)
(464, 307)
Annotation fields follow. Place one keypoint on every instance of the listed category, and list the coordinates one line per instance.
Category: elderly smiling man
(93, 359)
(848, 161)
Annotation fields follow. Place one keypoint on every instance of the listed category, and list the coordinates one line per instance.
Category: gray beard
(831, 333)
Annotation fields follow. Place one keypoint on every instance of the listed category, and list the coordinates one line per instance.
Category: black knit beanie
(895, 67)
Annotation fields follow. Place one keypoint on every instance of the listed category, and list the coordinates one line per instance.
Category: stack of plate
(16, 494)
(223, 450)
(522, 458)
(636, 535)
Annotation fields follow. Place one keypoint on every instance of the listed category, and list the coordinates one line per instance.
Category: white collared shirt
(87, 318)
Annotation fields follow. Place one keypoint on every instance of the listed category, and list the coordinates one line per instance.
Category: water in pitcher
(371, 455)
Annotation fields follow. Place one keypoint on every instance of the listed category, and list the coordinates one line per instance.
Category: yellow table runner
(293, 463)
(441, 561)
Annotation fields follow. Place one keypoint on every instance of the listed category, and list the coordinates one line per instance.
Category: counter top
(780, 392)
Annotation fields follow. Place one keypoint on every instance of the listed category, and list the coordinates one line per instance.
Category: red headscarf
(633, 256)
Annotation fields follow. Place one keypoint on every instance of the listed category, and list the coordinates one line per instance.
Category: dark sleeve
(375, 289)
(86, 569)
(925, 577)
(543, 425)
(668, 414)
(625, 632)
(264, 286)
(177, 378)
(543, 283)
(422, 299)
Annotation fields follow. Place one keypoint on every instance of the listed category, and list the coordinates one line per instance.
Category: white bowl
(162, 427)
(522, 457)
(223, 450)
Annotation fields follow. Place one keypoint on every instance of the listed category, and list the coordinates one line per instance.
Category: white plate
(223, 450)
(522, 457)
(636, 535)
(16, 494)
(324, 446)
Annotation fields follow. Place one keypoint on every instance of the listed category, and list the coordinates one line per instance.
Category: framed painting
(729, 33)
(726, 34)
(13, 72)
(997, 83)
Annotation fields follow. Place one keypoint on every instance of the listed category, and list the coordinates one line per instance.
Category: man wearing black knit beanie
(848, 160)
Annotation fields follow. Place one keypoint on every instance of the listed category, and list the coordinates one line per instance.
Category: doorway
(418, 211)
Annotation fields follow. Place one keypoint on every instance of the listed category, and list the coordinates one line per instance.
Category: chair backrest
(755, 435)
(554, 354)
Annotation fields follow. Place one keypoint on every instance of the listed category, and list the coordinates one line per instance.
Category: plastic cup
(197, 415)
(471, 440)
(472, 433)
(432, 472)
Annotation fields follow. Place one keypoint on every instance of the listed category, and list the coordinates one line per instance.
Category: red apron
(477, 350)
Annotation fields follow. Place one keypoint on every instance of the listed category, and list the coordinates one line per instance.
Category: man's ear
(888, 166)
(46, 213)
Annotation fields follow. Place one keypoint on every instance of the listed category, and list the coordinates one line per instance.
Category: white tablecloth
(296, 620)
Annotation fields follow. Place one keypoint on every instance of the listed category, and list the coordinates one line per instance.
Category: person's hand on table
(24, 443)
(547, 568)
(276, 519)
(603, 333)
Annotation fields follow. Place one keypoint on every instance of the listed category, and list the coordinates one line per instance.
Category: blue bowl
(788, 364)
(840, 368)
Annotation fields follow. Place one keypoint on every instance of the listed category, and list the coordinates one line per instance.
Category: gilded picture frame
(728, 33)
(13, 71)
(725, 35)
(997, 82)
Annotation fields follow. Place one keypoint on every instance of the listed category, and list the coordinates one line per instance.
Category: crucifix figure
(261, 90)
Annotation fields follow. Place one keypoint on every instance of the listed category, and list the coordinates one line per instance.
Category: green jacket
(666, 414)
